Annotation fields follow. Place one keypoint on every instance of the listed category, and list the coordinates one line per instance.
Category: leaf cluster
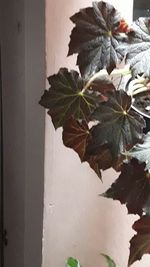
(96, 115)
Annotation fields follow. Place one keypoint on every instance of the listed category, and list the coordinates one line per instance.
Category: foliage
(110, 262)
(102, 40)
(65, 97)
(71, 262)
(137, 47)
(95, 38)
(142, 151)
(140, 243)
(132, 187)
(118, 126)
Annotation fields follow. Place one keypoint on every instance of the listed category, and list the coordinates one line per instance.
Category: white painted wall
(77, 222)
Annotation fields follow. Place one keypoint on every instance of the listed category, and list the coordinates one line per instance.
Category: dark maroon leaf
(140, 243)
(132, 187)
(137, 49)
(119, 127)
(66, 97)
(100, 160)
(96, 37)
(146, 208)
(76, 135)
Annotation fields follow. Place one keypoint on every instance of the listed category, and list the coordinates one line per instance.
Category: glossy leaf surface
(96, 37)
(76, 135)
(142, 151)
(140, 243)
(65, 98)
(132, 187)
(119, 126)
(100, 159)
(137, 49)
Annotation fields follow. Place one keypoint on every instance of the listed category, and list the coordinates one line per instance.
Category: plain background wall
(77, 222)
(23, 77)
(13, 83)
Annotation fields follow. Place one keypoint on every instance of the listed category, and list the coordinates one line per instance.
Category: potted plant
(103, 107)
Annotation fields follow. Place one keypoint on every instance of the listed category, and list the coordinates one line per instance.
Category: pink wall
(77, 222)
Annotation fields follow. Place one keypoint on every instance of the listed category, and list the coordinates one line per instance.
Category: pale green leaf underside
(142, 151)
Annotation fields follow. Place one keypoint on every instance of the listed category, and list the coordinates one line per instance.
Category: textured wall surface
(77, 222)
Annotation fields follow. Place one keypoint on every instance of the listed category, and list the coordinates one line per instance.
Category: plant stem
(101, 73)
(140, 90)
(138, 86)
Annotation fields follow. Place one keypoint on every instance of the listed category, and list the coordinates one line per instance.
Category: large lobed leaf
(96, 37)
(142, 151)
(66, 98)
(140, 243)
(132, 187)
(76, 135)
(137, 49)
(119, 126)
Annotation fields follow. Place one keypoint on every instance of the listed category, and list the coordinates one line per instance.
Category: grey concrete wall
(13, 79)
(35, 84)
(23, 77)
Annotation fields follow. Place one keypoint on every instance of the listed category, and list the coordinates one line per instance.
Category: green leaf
(110, 262)
(140, 243)
(142, 151)
(71, 262)
(96, 37)
(119, 126)
(137, 49)
(132, 187)
(65, 98)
